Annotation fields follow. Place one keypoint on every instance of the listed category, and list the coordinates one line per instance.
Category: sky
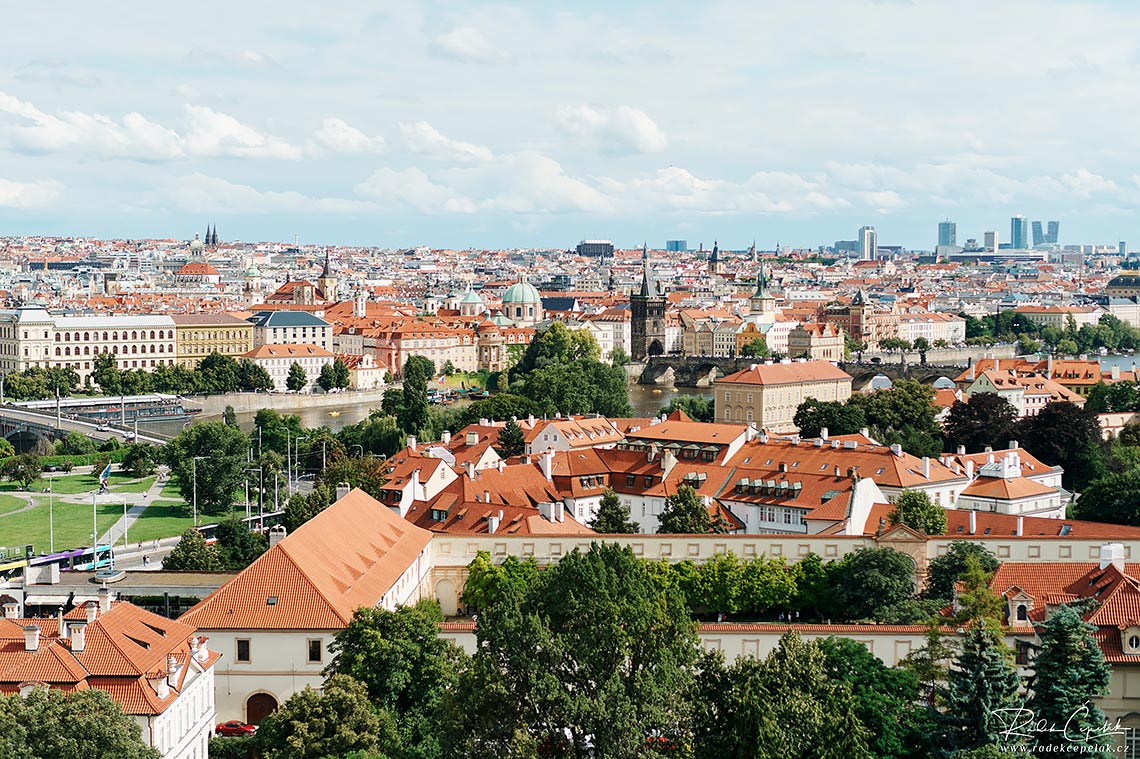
(472, 124)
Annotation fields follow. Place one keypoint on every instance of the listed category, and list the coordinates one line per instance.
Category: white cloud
(28, 194)
(424, 139)
(535, 183)
(338, 136)
(1084, 183)
(614, 131)
(199, 193)
(413, 189)
(31, 130)
(217, 134)
(468, 45)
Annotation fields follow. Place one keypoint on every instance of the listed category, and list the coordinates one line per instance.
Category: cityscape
(574, 381)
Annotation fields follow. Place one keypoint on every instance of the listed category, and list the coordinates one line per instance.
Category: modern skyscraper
(868, 244)
(1053, 233)
(1019, 232)
(1038, 234)
(1122, 249)
(676, 246)
(991, 241)
(947, 233)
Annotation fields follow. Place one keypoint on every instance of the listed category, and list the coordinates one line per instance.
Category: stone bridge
(702, 371)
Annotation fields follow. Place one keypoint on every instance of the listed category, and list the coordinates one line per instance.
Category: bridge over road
(702, 371)
(23, 428)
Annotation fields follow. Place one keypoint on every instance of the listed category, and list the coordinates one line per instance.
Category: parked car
(234, 729)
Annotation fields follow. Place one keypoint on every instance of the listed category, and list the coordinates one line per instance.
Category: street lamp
(297, 457)
(361, 447)
(194, 466)
(51, 521)
(260, 488)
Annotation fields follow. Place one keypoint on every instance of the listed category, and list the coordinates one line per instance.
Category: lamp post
(361, 447)
(51, 521)
(260, 487)
(194, 467)
(297, 453)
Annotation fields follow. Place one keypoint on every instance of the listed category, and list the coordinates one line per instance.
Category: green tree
(885, 699)
(872, 583)
(757, 347)
(368, 473)
(1117, 397)
(192, 554)
(915, 509)
(500, 408)
(697, 407)
(895, 344)
(985, 419)
(685, 514)
(945, 570)
(783, 706)
(317, 724)
(58, 724)
(221, 452)
(768, 584)
(981, 684)
(618, 356)
(922, 345)
(511, 441)
(229, 417)
(275, 432)
(24, 469)
(487, 582)
(105, 372)
(406, 667)
(218, 374)
(75, 444)
(613, 516)
(341, 375)
(297, 378)
(558, 344)
(6, 448)
(583, 386)
(592, 650)
(1070, 672)
(413, 412)
(1114, 498)
(381, 435)
(253, 378)
(326, 379)
(812, 416)
(140, 459)
(1064, 434)
(904, 414)
(237, 546)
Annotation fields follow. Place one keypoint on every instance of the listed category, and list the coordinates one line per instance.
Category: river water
(645, 399)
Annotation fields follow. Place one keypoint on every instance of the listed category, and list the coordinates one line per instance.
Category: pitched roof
(346, 557)
(786, 374)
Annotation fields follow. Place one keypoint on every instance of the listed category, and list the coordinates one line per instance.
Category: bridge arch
(25, 441)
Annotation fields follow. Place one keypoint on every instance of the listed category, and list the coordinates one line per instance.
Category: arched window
(67, 351)
(115, 349)
(134, 335)
(104, 337)
(56, 350)
(86, 337)
(160, 347)
(152, 334)
(114, 335)
(134, 349)
(57, 337)
(152, 347)
(1022, 613)
(86, 350)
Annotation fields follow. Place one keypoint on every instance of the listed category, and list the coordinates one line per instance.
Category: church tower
(762, 306)
(716, 265)
(326, 283)
(647, 315)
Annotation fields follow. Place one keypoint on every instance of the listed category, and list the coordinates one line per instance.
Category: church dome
(471, 297)
(196, 244)
(521, 292)
(253, 271)
(1125, 279)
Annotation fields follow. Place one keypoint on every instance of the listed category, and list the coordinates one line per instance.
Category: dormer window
(1130, 639)
(1023, 614)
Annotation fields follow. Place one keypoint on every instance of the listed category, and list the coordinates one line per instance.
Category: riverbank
(213, 405)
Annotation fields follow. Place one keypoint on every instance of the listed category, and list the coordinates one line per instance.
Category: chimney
(961, 450)
(970, 373)
(864, 432)
(990, 457)
(159, 685)
(783, 467)
(1115, 373)
(277, 533)
(78, 638)
(342, 490)
(61, 628)
(1110, 553)
(973, 522)
(493, 523)
(470, 467)
(484, 422)
(472, 439)
(970, 469)
(896, 449)
(92, 609)
(1013, 444)
(838, 472)
(104, 600)
(487, 498)
(763, 437)
(172, 669)
(752, 367)
(412, 442)
(445, 438)
(1020, 526)
(546, 464)
(500, 466)
(560, 511)
(926, 467)
(530, 419)
(203, 652)
(823, 433)
(11, 610)
(1049, 366)
(31, 638)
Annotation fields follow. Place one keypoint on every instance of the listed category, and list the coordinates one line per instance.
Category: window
(629, 479)
(1134, 642)
(1022, 614)
(243, 650)
(314, 647)
(1132, 743)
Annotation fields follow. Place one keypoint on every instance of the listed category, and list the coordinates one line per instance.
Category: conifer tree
(1070, 673)
(511, 440)
(297, 378)
(613, 516)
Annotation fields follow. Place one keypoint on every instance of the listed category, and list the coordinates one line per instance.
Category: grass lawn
(159, 521)
(170, 490)
(458, 381)
(11, 503)
(134, 486)
(68, 484)
(72, 524)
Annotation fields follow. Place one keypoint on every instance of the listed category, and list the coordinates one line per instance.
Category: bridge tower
(647, 315)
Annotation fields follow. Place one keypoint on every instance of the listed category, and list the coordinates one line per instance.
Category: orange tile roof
(786, 374)
(346, 557)
(1007, 490)
(288, 350)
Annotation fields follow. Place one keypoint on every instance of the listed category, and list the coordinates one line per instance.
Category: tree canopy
(58, 724)
(813, 415)
(985, 419)
(221, 452)
(915, 509)
(612, 516)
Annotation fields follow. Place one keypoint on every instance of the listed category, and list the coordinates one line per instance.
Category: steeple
(214, 236)
(645, 292)
(327, 271)
(752, 253)
(715, 253)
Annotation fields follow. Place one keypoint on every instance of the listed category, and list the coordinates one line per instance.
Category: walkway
(134, 510)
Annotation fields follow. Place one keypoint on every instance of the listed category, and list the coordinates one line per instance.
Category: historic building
(769, 393)
(199, 335)
(647, 312)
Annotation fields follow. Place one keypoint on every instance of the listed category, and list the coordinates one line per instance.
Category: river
(645, 399)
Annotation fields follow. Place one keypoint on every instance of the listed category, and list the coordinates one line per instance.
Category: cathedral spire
(327, 271)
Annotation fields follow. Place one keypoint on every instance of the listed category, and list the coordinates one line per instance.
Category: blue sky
(535, 124)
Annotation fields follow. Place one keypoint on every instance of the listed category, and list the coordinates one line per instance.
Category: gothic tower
(716, 266)
(647, 315)
(326, 283)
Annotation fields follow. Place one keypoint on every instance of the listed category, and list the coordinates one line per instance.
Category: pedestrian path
(134, 511)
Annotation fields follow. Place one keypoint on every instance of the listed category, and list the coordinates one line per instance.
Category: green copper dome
(521, 292)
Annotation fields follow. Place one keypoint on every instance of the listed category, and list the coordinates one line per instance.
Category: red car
(234, 729)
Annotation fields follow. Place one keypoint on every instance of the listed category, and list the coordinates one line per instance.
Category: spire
(214, 237)
(644, 252)
(645, 277)
(752, 253)
(327, 271)
(206, 239)
(716, 252)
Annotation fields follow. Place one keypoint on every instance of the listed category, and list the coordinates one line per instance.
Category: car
(103, 428)
(234, 729)
(128, 436)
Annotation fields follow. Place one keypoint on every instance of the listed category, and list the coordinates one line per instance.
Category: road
(68, 425)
